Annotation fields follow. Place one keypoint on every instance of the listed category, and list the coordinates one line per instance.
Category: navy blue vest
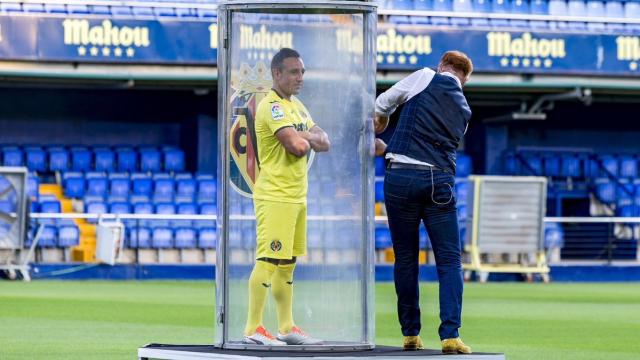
(432, 123)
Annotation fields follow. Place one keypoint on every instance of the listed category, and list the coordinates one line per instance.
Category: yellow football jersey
(283, 176)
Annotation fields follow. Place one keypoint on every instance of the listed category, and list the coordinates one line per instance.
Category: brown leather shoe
(455, 346)
(412, 343)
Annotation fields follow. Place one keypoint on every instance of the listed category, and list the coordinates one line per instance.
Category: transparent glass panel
(332, 296)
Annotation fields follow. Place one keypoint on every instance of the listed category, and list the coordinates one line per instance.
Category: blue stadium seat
(442, 5)
(78, 9)
(552, 165)
(50, 206)
(632, 10)
(380, 166)
(379, 197)
(162, 238)
(13, 157)
(104, 160)
(120, 208)
(605, 191)
(48, 237)
(424, 243)
(186, 188)
(163, 189)
(558, 7)
(595, 8)
(142, 11)
(68, 235)
(383, 237)
(207, 238)
(576, 8)
(625, 194)
(208, 209)
(121, 11)
(150, 160)
(10, 7)
(553, 235)
(501, 6)
(400, 4)
(464, 167)
(99, 10)
(74, 187)
(33, 8)
(120, 187)
(97, 186)
(462, 6)
(399, 19)
(483, 6)
(423, 5)
(610, 164)
(628, 166)
(58, 160)
(613, 9)
(164, 12)
(187, 13)
(570, 166)
(80, 159)
(207, 191)
(142, 185)
(462, 190)
(533, 165)
(33, 187)
(520, 7)
(55, 8)
(182, 176)
(127, 160)
(36, 159)
(96, 208)
(420, 20)
(174, 160)
(185, 238)
(539, 7)
(140, 237)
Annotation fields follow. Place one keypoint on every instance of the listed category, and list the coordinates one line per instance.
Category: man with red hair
(419, 186)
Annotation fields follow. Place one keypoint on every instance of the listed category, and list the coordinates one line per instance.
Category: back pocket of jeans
(397, 186)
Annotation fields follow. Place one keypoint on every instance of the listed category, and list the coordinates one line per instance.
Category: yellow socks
(282, 288)
(259, 283)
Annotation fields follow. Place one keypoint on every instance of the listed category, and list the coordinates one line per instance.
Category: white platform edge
(149, 353)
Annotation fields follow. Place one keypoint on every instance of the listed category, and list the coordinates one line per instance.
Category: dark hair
(278, 58)
(458, 61)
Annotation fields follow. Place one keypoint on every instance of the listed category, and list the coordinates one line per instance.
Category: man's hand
(380, 123)
(380, 147)
(317, 138)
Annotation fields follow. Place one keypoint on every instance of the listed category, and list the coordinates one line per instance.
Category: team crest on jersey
(276, 112)
(276, 245)
(249, 85)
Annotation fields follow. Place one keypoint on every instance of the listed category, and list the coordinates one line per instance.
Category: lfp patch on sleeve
(276, 112)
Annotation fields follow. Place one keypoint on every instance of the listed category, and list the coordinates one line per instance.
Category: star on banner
(526, 62)
(82, 51)
(391, 59)
(633, 66)
(547, 62)
(106, 51)
(537, 62)
(94, 51)
(413, 59)
(504, 62)
(117, 52)
(515, 61)
(130, 52)
(402, 59)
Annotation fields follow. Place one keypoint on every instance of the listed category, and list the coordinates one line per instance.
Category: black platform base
(201, 352)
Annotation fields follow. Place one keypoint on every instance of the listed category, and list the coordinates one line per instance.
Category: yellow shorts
(281, 229)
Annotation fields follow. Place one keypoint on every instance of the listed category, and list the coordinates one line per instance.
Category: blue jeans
(412, 196)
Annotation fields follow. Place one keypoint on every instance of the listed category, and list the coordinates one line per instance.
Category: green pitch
(110, 320)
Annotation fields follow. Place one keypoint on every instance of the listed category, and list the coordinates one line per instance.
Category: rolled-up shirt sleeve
(403, 90)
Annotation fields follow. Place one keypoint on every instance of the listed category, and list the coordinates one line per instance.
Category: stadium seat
(207, 238)
(13, 157)
(142, 185)
(140, 237)
(48, 237)
(625, 194)
(174, 160)
(95, 208)
(632, 10)
(10, 7)
(150, 161)
(520, 7)
(570, 166)
(36, 159)
(163, 190)
(532, 165)
(379, 197)
(576, 8)
(50, 206)
(605, 191)
(99, 10)
(207, 191)
(610, 165)
(121, 11)
(595, 8)
(186, 187)
(33, 186)
(423, 5)
(420, 20)
(558, 7)
(400, 4)
(77, 9)
(120, 187)
(58, 160)
(424, 243)
(104, 160)
(127, 160)
(97, 186)
(628, 166)
(80, 159)
(55, 8)
(187, 13)
(383, 238)
(33, 8)
(142, 12)
(462, 6)
(462, 191)
(74, 187)
(164, 11)
(399, 19)
(442, 5)
(552, 165)
(501, 6)
(463, 168)
(68, 235)
(162, 238)
(539, 7)
(380, 166)
(185, 238)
